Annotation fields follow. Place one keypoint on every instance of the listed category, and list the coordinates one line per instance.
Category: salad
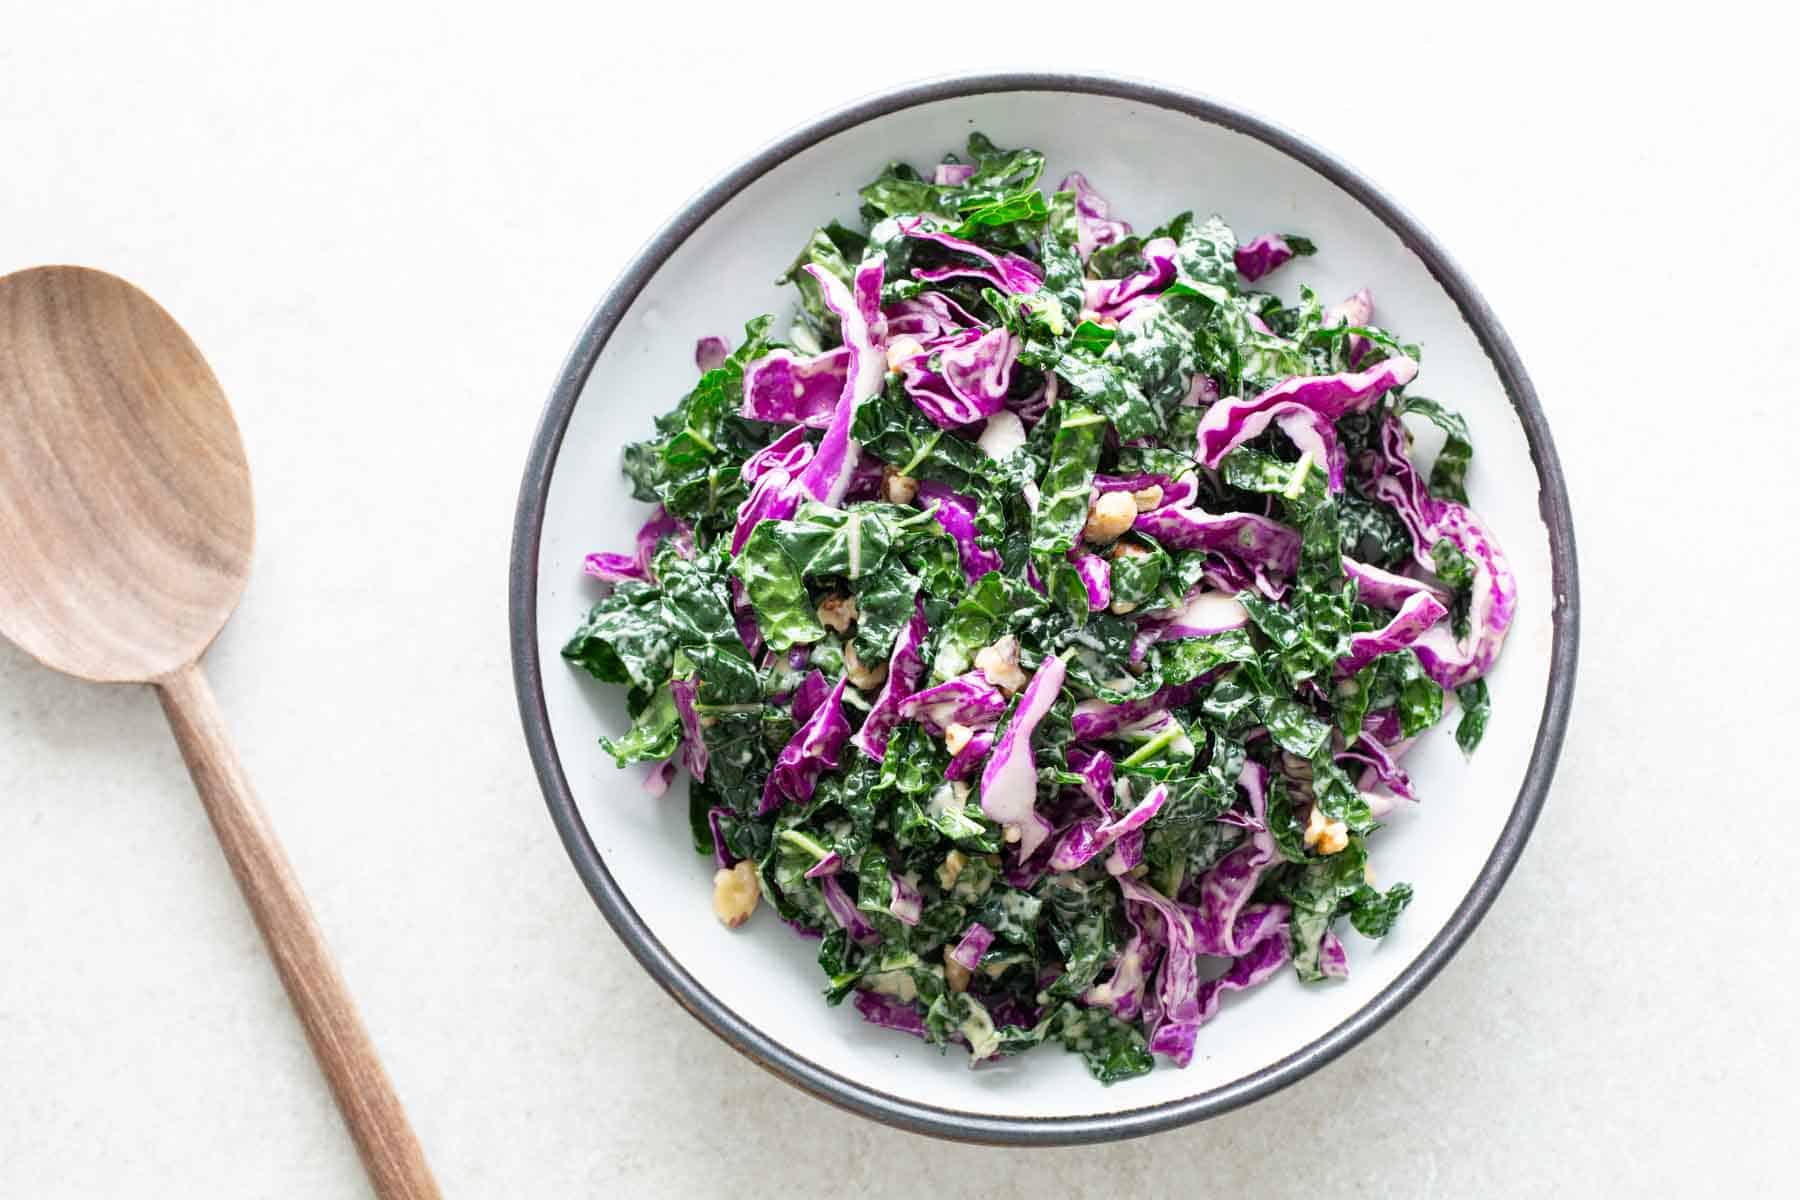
(1043, 618)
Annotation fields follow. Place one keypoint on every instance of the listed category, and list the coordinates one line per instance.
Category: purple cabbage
(1261, 255)
(812, 750)
(981, 372)
(975, 942)
(1096, 770)
(865, 480)
(693, 745)
(1204, 614)
(1175, 492)
(1418, 613)
(1226, 888)
(808, 696)
(1232, 422)
(905, 666)
(1095, 718)
(952, 174)
(956, 513)
(831, 864)
(658, 776)
(904, 901)
(1116, 299)
(1127, 853)
(1493, 595)
(1093, 224)
(615, 568)
(888, 1012)
(929, 317)
(800, 927)
(1148, 630)
(1087, 837)
(1096, 577)
(1177, 980)
(661, 525)
(786, 388)
(1357, 310)
(710, 353)
(1332, 960)
(1006, 271)
(1384, 589)
(1229, 575)
(1031, 407)
(722, 854)
(743, 616)
(1264, 955)
(1009, 781)
(773, 497)
(1380, 766)
(964, 700)
(1124, 991)
(1258, 541)
(964, 762)
(789, 453)
(1384, 726)
(971, 380)
(844, 911)
(827, 474)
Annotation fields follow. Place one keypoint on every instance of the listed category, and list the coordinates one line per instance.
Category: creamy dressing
(898, 984)
(978, 1030)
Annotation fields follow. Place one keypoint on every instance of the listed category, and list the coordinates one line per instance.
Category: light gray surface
(383, 227)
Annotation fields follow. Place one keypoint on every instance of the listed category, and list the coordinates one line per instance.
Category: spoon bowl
(124, 494)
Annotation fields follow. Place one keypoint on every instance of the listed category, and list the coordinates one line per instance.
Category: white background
(384, 225)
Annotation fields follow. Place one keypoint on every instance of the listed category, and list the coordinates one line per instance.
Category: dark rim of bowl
(1553, 504)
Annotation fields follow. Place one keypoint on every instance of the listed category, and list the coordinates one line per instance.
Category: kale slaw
(1042, 621)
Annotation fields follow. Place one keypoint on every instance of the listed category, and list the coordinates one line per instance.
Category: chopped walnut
(1147, 498)
(954, 862)
(735, 893)
(955, 974)
(861, 677)
(956, 737)
(1109, 516)
(838, 612)
(903, 349)
(897, 488)
(999, 663)
(1327, 837)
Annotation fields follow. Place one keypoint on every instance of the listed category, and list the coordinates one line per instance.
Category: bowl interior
(1150, 162)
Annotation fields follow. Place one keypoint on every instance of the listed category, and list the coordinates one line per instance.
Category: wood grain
(126, 529)
(389, 1149)
(125, 506)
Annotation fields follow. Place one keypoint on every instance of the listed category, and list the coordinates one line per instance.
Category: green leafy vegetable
(951, 734)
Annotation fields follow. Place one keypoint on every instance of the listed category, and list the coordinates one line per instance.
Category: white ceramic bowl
(1152, 153)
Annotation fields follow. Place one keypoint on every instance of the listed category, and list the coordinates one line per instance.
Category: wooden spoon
(126, 527)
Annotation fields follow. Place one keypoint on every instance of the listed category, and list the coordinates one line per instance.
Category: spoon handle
(390, 1151)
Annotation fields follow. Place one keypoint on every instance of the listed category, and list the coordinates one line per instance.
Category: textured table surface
(384, 223)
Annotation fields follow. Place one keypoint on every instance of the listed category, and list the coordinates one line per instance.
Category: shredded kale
(991, 752)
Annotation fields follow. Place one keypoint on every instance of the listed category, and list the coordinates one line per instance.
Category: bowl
(1152, 152)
